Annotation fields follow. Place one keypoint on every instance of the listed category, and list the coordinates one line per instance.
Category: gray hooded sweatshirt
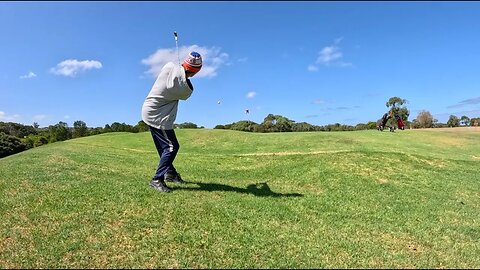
(160, 107)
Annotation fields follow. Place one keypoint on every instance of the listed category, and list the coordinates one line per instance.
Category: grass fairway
(364, 199)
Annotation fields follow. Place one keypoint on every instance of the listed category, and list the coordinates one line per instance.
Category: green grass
(366, 199)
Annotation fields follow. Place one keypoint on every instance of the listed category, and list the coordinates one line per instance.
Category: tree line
(16, 137)
(278, 123)
(426, 120)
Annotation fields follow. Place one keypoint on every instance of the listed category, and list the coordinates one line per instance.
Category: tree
(464, 120)
(35, 125)
(453, 121)
(259, 128)
(424, 120)
(121, 127)
(394, 101)
(141, 126)
(475, 122)
(16, 130)
(393, 104)
(107, 128)
(96, 131)
(79, 129)
(117, 127)
(244, 125)
(339, 127)
(371, 125)
(59, 132)
(277, 123)
(186, 125)
(303, 126)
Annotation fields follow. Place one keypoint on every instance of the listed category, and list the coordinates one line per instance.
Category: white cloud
(8, 118)
(318, 101)
(28, 76)
(66, 117)
(212, 57)
(330, 56)
(251, 94)
(312, 68)
(72, 67)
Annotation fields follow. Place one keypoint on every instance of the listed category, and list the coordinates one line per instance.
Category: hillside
(363, 199)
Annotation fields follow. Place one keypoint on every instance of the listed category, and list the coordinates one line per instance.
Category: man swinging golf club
(160, 110)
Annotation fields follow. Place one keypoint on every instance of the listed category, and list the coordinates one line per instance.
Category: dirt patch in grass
(314, 188)
(295, 153)
(434, 163)
(376, 168)
(57, 160)
(382, 180)
(455, 129)
(139, 150)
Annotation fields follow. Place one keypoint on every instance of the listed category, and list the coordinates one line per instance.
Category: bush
(141, 126)
(303, 126)
(244, 126)
(32, 141)
(186, 125)
(10, 145)
(95, 131)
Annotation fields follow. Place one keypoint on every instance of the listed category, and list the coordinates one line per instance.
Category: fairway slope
(363, 199)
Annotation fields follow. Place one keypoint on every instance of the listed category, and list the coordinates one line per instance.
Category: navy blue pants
(167, 147)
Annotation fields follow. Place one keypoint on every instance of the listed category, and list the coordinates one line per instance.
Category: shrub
(10, 145)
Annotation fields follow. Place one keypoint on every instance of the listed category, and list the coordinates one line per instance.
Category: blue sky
(315, 62)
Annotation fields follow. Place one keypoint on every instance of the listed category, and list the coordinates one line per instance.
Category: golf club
(176, 44)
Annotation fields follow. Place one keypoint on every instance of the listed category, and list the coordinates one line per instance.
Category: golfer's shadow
(259, 189)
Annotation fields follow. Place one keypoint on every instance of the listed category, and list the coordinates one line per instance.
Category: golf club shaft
(176, 44)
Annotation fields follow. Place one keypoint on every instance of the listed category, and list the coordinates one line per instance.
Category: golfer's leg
(163, 145)
(169, 149)
(175, 146)
(156, 141)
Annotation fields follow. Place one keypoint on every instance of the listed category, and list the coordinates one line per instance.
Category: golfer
(160, 110)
